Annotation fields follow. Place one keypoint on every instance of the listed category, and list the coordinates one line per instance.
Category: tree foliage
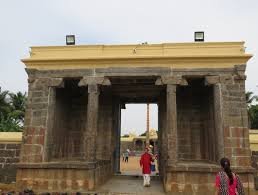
(253, 114)
(12, 110)
(252, 109)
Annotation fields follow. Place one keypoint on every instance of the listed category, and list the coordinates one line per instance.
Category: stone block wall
(9, 156)
(63, 177)
(35, 123)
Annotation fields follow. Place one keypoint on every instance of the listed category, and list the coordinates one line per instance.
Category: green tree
(250, 98)
(253, 110)
(12, 110)
(17, 103)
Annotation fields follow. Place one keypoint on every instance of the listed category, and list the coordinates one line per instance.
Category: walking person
(123, 155)
(145, 163)
(227, 182)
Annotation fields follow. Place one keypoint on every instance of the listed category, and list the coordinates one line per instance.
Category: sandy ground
(133, 165)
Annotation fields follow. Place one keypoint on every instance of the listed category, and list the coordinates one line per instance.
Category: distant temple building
(137, 143)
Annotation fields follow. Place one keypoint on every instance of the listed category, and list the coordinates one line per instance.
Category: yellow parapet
(10, 137)
(253, 136)
(174, 55)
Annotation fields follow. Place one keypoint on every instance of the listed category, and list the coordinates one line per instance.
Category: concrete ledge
(204, 167)
(64, 165)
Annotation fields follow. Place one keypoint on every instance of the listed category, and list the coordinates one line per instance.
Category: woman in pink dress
(227, 182)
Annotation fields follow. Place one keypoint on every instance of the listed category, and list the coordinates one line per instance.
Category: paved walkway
(132, 186)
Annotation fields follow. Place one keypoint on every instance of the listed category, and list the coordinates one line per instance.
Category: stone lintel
(171, 80)
(226, 79)
(94, 80)
(49, 82)
(80, 164)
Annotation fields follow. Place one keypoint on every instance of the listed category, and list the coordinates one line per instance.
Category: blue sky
(33, 23)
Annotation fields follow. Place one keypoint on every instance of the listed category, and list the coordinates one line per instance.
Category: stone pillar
(172, 124)
(89, 140)
(116, 130)
(118, 139)
(90, 135)
(171, 116)
(218, 121)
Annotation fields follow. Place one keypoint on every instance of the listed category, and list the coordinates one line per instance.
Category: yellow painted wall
(10, 137)
(173, 55)
(253, 136)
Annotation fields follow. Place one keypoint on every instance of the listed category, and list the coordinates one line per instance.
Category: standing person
(145, 163)
(153, 169)
(126, 156)
(227, 182)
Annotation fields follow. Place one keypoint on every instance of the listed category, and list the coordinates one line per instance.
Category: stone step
(121, 193)
(132, 185)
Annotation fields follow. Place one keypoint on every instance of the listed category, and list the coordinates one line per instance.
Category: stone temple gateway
(72, 123)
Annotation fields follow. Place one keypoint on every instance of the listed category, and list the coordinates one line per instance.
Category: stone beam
(224, 79)
(94, 80)
(171, 80)
(48, 82)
